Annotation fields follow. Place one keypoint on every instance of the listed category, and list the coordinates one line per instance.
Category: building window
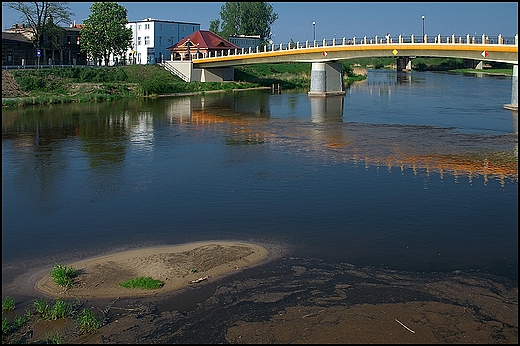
(139, 41)
(160, 40)
(146, 26)
(184, 28)
(139, 27)
(147, 40)
(77, 40)
(160, 26)
(173, 27)
(68, 40)
(193, 28)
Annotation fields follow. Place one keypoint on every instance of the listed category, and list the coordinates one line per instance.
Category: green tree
(42, 19)
(214, 26)
(245, 18)
(105, 32)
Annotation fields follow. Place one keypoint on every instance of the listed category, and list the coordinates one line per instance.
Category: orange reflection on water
(394, 148)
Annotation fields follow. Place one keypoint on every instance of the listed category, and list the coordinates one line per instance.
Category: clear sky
(343, 19)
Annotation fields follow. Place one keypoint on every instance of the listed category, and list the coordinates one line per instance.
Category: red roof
(206, 40)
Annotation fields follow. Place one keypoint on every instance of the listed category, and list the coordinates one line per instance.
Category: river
(414, 174)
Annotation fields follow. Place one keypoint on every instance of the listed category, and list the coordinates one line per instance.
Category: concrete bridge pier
(326, 79)
(215, 74)
(404, 63)
(514, 91)
(472, 63)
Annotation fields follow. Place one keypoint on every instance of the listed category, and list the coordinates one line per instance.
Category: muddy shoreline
(295, 300)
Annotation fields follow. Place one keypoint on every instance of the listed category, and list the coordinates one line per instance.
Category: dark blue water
(414, 172)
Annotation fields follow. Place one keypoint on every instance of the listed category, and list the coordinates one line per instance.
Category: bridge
(326, 57)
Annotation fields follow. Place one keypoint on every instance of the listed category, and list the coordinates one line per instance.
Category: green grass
(48, 311)
(63, 276)
(6, 326)
(8, 304)
(507, 72)
(88, 322)
(145, 283)
(44, 309)
(11, 327)
(55, 338)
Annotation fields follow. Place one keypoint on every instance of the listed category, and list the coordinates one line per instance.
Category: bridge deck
(499, 52)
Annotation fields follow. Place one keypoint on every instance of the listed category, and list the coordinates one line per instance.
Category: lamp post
(422, 28)
(314, 29)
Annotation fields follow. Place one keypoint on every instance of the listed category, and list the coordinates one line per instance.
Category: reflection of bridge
(326, 72)
(391, 147)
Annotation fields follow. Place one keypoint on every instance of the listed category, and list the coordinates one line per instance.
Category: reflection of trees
(47, 136)
(104, 139)
(42, 139)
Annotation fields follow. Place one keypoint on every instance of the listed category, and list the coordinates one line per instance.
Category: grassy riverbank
(86, 84)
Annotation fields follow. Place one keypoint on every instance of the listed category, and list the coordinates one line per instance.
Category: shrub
(29, 83)
(47, 311)
(62, 275)
(6, 326)
(8, 304)
(88, 322)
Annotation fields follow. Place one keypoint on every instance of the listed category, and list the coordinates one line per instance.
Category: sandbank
(178, 266)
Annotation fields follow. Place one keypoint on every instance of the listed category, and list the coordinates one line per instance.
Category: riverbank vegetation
(18, 329)
(25, 87)
(85, 84)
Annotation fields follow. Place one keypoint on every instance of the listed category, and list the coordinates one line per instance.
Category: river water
(409, 172)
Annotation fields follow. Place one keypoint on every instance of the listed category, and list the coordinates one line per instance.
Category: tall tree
(246, 18)
(42, 18)
(105, 31)
(214, 26)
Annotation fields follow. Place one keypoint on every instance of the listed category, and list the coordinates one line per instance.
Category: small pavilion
(200, 44)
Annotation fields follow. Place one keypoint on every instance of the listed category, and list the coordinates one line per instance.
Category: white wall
(162, 34)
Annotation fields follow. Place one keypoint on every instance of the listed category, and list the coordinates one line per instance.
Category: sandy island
(177, 266)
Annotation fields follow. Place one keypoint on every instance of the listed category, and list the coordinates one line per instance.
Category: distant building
(201, 43)
(245, 42)
(17, 49)
(17, 44)
(151, 39)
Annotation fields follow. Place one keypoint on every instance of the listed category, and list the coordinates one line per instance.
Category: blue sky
(343, 19)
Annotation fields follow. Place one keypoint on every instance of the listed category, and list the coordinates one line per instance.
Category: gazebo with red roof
(201, 43)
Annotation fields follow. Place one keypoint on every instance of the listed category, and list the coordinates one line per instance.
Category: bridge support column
(326, 79)
(404, 63)
(217, 74)
(514, 91)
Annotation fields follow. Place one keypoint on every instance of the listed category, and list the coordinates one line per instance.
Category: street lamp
(314, 29)
(422, 28)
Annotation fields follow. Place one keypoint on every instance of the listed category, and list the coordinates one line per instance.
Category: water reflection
(327, 109)
(106, 132)
(404, 78)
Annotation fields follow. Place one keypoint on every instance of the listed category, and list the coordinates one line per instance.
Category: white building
(245, 42)
(152, 37)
